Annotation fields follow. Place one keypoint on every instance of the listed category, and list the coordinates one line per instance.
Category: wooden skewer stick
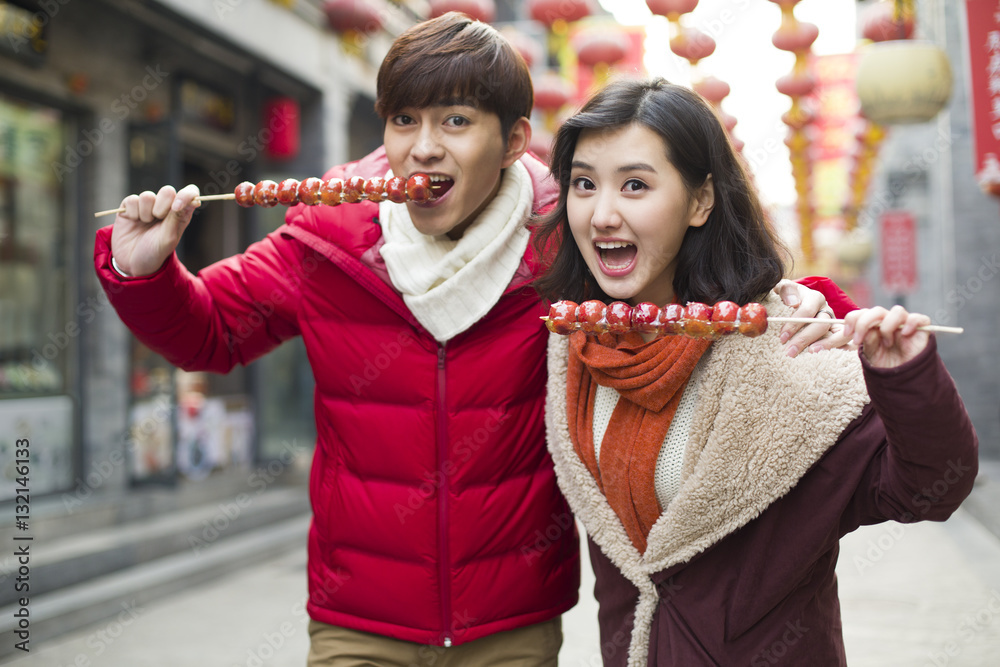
(808, 320)
(198, 200)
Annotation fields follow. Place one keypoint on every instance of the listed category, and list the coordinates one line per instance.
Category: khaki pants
(532, 646)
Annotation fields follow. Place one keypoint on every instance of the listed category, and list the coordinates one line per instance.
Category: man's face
(462, 149)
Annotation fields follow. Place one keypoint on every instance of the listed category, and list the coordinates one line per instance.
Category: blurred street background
(168, 510)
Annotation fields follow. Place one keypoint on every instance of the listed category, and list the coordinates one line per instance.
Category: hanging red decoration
(281, 118)
(528, 47)
(880, 23)
(795, 36)
(672, 9)
(692, 44)
(481, 10)
(549, 12)
(552, 92)
(359, 16)
(596, 47)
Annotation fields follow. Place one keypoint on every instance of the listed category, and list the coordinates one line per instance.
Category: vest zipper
(442, 439)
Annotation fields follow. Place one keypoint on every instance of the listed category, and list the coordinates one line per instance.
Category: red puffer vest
(437, 518)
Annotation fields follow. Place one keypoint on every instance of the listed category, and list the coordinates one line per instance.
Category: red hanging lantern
(879, 24)
(281, 119)
(552, 92)
(597, 47)
(528, 47)
(481, 10)
(672, 9)
(692, 44)
(795, 36)
(549, 12)
(359, 16)
(712, 89)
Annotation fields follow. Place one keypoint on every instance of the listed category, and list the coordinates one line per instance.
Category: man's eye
(457, 121)
(402, 119)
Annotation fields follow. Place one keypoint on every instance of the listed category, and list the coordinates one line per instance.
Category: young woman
(715, 478)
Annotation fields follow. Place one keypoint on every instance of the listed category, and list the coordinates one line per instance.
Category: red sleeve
(231, 312)
(835, 297)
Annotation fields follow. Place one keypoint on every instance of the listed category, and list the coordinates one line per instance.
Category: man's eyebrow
(455, 102)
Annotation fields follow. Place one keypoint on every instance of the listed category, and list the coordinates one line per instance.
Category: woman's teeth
(616, 254)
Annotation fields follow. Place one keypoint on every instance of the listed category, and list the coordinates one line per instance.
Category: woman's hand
(808, 303)
(888, 338)
(146, 234)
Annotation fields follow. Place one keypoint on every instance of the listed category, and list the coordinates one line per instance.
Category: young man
(437, 519)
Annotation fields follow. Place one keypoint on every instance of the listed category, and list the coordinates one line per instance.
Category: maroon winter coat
(437, 518)
(740, 568)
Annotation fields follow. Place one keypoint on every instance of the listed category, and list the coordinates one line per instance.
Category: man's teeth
(435, 178)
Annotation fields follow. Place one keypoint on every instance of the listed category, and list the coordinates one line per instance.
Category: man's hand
(808, 303)
(146, 234)
(888, 338)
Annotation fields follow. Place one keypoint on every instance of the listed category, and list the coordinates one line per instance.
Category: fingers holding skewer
(888, 338)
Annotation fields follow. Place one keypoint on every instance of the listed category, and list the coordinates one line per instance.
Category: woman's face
(629, 209)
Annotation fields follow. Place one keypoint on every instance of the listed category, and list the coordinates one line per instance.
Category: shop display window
(39, 330)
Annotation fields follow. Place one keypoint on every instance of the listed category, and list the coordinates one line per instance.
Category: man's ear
(517, 141)
(702, 202)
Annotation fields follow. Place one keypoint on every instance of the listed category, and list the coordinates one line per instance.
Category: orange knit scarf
(650, 377)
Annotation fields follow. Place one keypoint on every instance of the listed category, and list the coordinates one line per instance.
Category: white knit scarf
(450, 285)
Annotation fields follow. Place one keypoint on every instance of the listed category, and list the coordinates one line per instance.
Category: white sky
(745, 59)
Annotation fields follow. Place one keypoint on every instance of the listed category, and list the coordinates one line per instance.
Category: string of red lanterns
(797, 37)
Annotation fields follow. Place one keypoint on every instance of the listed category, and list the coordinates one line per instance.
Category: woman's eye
(583, 183)
(633, 185)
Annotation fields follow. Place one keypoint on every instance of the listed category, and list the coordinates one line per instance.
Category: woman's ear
(517, 141)
(702, 202)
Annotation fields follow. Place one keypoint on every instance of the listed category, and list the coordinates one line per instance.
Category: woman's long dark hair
(734, 256)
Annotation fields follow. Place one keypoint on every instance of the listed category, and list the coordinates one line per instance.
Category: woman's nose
(606, 215)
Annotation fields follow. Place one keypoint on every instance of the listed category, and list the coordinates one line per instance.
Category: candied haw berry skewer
(313, 191)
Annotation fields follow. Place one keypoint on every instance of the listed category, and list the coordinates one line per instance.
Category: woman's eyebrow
(638, 166)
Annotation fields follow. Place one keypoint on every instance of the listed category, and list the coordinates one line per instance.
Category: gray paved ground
(924, 595)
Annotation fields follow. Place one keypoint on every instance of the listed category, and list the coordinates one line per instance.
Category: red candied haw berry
(697, 320)
(619, 317)
(671, 320)
(395, 190)
(645, 316)
(592, 316)
(724, 316)
(244, 194)
(309, 190)
(288, 191)
(418, 188)
(752, 321)
(354, 190)
(265, 194)
(330, 193)
(375, 189)
(562, 317)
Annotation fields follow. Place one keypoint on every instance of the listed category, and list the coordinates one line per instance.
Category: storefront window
(38, 331)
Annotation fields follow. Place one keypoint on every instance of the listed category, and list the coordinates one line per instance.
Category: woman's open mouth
(616, 258)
